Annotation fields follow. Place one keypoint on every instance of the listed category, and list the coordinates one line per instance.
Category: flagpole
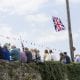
(21, 43)
(70, 31)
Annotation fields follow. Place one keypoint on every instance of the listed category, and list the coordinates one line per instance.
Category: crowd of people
(15, 54)
(12, 53)
(64, 58)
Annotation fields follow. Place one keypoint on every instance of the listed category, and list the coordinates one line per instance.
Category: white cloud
(44, 37)
(5, 30)
(49, 38)
(6, 34)
(37, 18)
(75, 1)
(21, 6)
(53, 37)
(60, 2)
(27, 6)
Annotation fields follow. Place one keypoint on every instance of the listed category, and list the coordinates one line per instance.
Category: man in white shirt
(54, 56)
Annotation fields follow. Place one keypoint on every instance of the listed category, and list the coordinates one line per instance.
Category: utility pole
(22, 43)
(70, 31)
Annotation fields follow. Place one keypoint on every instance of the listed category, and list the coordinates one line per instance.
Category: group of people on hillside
(32, 55)
(27, 55)
(15, 54)
(49, 56)
(64, 58)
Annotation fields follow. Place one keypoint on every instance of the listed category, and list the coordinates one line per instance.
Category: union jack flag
(58, 24)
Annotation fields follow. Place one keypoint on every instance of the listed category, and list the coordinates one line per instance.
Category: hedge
(52, 71)
(58, 71)
(73, 71)
(47, 71)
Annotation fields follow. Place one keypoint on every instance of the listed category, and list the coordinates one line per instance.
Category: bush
(52, 71)
(39, 71)
(18, 71)
(58, 71)
(73, 71)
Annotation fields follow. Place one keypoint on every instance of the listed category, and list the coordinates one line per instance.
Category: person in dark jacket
(67, 58)
(6, 53)
(1, 53)
(28, 54)
(37, 55)
(62, 58)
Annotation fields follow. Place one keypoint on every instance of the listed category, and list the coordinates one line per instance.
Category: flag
(58, 24)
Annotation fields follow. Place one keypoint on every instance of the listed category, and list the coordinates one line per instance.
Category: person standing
(1, 53)
(33, 55)
(23, 57)
(67, 58)
(47, 56)
(6, 53)
(38, 57)
(53, 56)
(15, 53)
(62, 58)
(28, 55)
(77, 58)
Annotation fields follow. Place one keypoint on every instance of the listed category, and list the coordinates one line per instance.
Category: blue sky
(32, 19)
